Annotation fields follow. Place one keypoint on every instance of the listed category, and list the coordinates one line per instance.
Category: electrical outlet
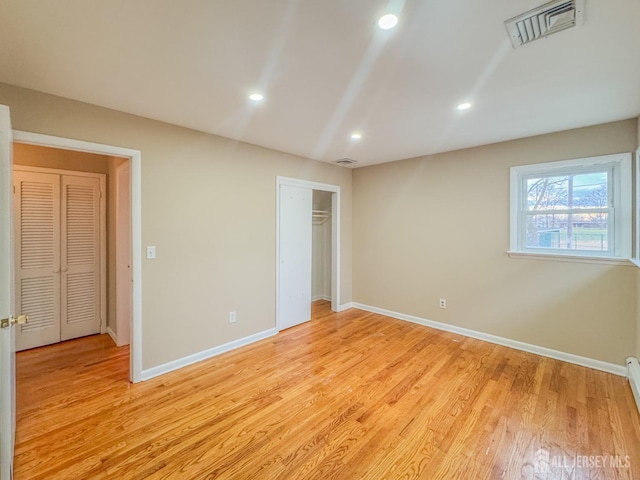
(443, 303)
(232, 317)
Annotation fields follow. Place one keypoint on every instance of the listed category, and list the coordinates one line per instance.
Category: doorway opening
(297, 283)
(123, 267)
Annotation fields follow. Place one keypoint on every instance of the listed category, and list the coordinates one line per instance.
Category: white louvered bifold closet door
(37, 216)
(58, 256)
(80, 272)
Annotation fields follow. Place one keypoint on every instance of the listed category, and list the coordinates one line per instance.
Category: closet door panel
(80, 276)
(295, 245)
(37, 216)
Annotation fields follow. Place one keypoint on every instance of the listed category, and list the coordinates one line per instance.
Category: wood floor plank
(353, 395)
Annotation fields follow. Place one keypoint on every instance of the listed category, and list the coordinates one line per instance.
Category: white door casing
(7, 335)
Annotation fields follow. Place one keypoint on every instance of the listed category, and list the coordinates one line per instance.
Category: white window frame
(620, 183)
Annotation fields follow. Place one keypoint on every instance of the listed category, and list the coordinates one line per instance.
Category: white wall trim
(321, 297)
(113, 335)
(335, 236)
(507, 342)
(135, 157)
(347, 306)
(206, 354)
(633, 374)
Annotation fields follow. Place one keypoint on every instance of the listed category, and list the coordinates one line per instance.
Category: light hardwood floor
(347, 396)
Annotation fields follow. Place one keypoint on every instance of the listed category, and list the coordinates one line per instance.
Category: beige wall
(44, 157)
(209, 206)
(438, 227)
(112, 225)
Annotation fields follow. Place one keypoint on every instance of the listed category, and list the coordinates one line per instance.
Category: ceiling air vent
(545, 20)
(345, 161)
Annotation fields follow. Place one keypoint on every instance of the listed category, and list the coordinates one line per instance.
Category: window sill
(573, 258)
(635, 261)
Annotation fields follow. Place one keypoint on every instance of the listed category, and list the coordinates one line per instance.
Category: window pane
(547, 193)
(590, 190)
(579, 191)
(577, 231)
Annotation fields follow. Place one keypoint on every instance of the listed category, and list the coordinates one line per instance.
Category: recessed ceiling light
(256, 97)
(356, 136)
(388, 21)
(464, 106)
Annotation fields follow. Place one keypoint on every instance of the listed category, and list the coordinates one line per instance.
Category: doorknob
(20, 320)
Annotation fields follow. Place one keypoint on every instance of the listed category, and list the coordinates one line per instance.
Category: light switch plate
(151, 252)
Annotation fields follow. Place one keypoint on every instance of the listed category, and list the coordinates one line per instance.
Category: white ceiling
(327, 70)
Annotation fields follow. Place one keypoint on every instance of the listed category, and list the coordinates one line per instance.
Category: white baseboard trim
(112, 334)
(507, 342)
(633, 374)
(321, 297)
(211, 352)
(346, 306)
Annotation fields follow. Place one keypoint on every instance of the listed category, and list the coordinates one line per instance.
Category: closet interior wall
(321, 246)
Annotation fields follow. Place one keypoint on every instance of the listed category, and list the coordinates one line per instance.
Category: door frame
(135, 162)
(335, 237)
